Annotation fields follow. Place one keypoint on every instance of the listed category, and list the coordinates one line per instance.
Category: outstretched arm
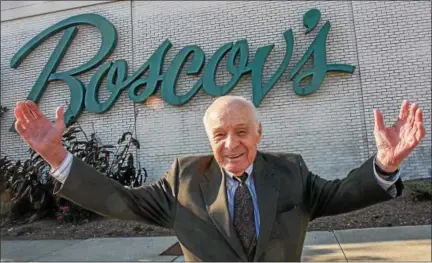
(82, 184)
(365, 186)
(359, 189)
(153, 204)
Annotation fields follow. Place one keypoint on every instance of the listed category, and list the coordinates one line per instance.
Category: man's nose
(231, 142)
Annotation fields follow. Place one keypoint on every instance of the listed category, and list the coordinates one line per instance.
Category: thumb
(60, 115)
(379, 120)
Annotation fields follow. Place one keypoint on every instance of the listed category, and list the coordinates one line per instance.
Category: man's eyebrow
(218, 129)
(241, 125)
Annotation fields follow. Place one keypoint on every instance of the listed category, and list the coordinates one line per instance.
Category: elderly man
(238, 204)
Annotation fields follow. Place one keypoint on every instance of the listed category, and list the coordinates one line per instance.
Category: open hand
(42, 135)
(395, 143)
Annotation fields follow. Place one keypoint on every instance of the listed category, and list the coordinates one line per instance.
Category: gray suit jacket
(191, 199)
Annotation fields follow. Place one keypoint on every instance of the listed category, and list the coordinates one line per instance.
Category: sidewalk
(409, 243)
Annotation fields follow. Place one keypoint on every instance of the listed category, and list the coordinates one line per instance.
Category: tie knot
(242, 178)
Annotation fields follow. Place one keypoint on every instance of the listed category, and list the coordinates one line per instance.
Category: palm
(41, 134)
(395, 143)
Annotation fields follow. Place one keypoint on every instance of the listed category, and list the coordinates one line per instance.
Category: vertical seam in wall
(133, 65)
(365, 138)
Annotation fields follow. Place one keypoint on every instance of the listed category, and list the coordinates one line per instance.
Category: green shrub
(31, 187)
(3, 110)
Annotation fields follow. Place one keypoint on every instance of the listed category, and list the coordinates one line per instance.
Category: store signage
(140, 87)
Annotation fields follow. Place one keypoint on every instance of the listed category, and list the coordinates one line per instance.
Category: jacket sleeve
(153, 204)
(357, 190)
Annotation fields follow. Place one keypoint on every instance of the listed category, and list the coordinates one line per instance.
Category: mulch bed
(401, 211)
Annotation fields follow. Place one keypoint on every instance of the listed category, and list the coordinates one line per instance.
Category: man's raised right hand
(43, 136)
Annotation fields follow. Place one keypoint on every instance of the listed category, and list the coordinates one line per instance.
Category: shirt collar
(248, 171)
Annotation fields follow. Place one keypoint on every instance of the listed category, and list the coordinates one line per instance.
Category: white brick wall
(394, 50)
(389, 43)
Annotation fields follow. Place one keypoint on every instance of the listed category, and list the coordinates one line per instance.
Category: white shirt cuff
(387, 183)
(62, 172)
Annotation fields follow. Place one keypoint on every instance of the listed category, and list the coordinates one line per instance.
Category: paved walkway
(409, 243)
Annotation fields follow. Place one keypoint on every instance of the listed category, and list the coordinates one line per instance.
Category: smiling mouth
(234, 156)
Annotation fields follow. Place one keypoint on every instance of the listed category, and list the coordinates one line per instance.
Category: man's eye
(241, 133)
(219, 135)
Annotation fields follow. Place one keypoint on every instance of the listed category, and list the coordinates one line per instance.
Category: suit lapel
(267, 189)
(215, 197)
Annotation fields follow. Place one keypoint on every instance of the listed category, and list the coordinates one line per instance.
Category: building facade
(373, 54)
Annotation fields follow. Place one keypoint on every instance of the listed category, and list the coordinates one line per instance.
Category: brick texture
(394, 51)
(388, 42)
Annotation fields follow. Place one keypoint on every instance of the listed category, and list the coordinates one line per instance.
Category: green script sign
(141, 87)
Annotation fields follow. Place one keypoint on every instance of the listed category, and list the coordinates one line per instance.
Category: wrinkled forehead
(229, 115)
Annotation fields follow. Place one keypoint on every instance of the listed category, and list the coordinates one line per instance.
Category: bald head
(234, 131)
(227, 104)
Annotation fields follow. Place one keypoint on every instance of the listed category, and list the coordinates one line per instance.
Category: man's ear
(259, 132)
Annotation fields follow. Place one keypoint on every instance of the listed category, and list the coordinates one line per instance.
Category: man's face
(234, 136)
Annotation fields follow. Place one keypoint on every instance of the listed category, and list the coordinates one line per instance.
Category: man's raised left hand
(395, 143)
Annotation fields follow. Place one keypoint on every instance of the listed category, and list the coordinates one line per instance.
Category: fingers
(403, 114)
(28, 116)
(34, 109)
(21, 121)
(379, 120)
(60, 115)
(19, 115)
(415, 121)
(27, 111)
(20, 127)
(419, 116)
(412, 113)
(420, 131)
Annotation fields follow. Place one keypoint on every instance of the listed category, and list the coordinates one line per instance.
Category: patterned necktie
(244, 220)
